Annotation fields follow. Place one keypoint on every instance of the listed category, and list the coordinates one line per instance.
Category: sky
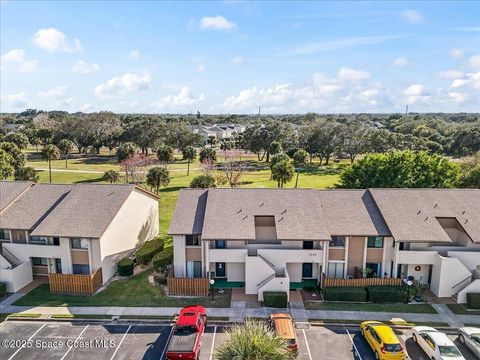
(237, 56)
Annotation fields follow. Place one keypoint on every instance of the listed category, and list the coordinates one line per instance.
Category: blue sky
(234, 56)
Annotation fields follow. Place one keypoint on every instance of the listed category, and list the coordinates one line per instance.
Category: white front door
(190, 269)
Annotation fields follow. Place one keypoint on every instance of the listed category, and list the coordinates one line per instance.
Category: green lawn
(135, 291)
(462, 310)
(395, 308)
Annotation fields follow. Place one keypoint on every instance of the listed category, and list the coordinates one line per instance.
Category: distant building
(218, 131)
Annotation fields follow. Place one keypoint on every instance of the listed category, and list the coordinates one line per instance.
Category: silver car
(470, 337)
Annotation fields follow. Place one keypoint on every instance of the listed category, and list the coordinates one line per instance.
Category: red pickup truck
(187, 334)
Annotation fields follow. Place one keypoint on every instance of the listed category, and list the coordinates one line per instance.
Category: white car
(437, 345)
(470, 337)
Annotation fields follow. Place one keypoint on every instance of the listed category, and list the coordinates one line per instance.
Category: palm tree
(254, 340)
(165, 154)
(299, 159)
(282, 172)
(66, 147)
(156, 177)
(112, 176)
(50, 152)
(189, 154)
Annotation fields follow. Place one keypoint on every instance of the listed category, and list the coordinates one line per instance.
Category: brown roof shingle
(9, 190)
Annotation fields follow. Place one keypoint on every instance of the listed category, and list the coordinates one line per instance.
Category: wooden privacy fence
(75, 283)
(328, 282)
(187, 286)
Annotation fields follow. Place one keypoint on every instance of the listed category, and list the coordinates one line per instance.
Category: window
(335, 270)
(39, 261)
(4, 234)
(83, 269)
(219, 244)
(308, 244)
(192, 240)
(375, 242)
(373, 270)
(37, 240)
(337, 241)
(56, 241)
(78, 243)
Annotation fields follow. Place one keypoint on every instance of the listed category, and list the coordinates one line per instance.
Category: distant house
(218, 131)
(70, 229)
(276, 240)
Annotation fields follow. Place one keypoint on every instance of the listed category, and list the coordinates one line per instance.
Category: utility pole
(259, 110)
(406, 110)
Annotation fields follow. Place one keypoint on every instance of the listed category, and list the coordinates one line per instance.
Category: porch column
(345, 266)
(395, 263)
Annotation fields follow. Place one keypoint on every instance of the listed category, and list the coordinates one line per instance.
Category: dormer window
(192, 240)
(337, 241)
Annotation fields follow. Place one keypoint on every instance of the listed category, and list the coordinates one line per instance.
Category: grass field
(396, 308)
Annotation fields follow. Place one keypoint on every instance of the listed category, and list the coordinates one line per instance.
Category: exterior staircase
(9, 258)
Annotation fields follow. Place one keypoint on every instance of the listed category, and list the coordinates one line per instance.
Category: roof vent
(239, 211)
(261, 204)
(246, 216)
(436, 205)
(466, 221)
(426, 219)
(280, 219)
(284, 211)
(419, 212)
(463, 212)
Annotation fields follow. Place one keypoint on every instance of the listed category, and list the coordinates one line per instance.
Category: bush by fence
(3, 289)
(147, 251)
(473, 300)
(357, 294)
(125, 267)
(386, 294)
(277, 299)
(162, 258)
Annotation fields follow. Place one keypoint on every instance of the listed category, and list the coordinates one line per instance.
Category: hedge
(340, 293)
(276, 299)
(162, 258)
(125, 267)
(473, 300)
(387, 294)
(160, 280)
(3, 289)
(147, 251)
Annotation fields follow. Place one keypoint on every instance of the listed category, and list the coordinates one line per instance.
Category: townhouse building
(281, 239)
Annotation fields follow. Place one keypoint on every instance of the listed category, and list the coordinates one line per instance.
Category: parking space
(130, 342)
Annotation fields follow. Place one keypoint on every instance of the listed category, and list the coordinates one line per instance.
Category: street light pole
(212, 282)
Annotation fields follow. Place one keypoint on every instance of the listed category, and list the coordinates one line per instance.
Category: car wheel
(461, 338)
(414, 337)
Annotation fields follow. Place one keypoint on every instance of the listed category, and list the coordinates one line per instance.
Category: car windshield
(185, 330)
(476, 339)
(392, 347)
(291, 341)
(449, 351)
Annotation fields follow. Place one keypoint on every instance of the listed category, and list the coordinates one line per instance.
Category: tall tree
(18, 139)
(6, 164)
(157, 176)
(66, 147)
(208, 153)
(125, 150)
(112, 176)
(282, 172)
(165, 154)
(299, 160)
(50, 152)
(26, 173)
(189, 154)
(354, 138)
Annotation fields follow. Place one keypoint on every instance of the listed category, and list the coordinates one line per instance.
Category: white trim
(365, 244)
(347, 245)
(395, 263)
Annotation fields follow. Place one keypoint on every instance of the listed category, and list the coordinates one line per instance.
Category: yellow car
(382, 340)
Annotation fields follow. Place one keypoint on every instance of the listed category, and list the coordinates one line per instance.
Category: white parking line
(354, 346)
(121, 341)
(213, 341)
(29, 339)
(71, 347)
(308, 347)
(166, 344)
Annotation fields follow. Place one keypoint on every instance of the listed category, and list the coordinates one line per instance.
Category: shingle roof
(86, 211)
(75, 210)
(189, 212)
(411, 214)
(9, 190)
(352, 212)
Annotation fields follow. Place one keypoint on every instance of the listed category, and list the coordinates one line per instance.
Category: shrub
(203, 181)
(125, 267)
(3, 289)
(277, 299)
(162, 259)
(473, 300)
(358, 294)
(387, 294)
(147, 251)
(160, 280)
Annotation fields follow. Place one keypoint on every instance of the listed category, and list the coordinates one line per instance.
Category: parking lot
(60, 340)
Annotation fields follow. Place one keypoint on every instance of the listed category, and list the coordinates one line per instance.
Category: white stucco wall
(136, 222)
(256, 270)
(17, 277)
(447, 272)
(422, 275)
(179, 255)
(471, 259)
(235, 271)
(473, 287)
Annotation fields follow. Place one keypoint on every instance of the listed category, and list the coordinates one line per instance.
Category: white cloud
(458, 97)
(416, 93)
(470, 80)
(450, 74)
(216, 23)
(16, 58)
(121, 85)
(86, 107)
(237, 60)
(401, 62)
(55, 92)
(52, 40)
(18, 100)
(68, 101)
(82, 67)
(201, 68)
(181, 101)
(474, 61)
(346, 73)
(412, 16)
(456, 53)
(134, 54)
(468, 28)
